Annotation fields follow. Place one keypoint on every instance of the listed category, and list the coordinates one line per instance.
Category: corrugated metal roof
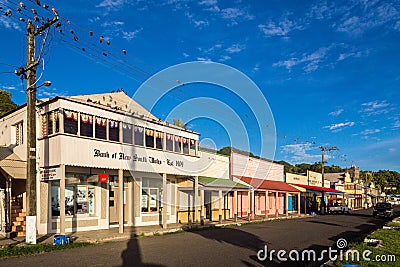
(113, 101)
(269, 185)
(221, 183)
(11, 164)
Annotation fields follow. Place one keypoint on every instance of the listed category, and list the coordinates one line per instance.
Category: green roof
(218, 182)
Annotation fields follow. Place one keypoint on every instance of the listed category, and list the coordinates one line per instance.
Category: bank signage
(100, 154)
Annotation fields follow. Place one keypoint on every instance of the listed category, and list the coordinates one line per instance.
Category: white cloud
(256, 67)
(8, 23)
(111, 4)
(312, 61)
(336, 113)
(208, 2)
(203, 59)
(235, 15)
(339, 126)
(235, 48)
(343, 56)
(299, 153)
(130, 35)
(185, 54)
(112, 24)
(12, 87)
(224, 58)
(376, 108)
(396, 124)
(370, 131)
(281, 28)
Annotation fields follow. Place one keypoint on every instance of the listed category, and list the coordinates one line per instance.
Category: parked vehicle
(383, 209)
(338, 209)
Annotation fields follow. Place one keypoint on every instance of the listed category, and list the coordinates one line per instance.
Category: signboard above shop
(50, 173)
(98, 178)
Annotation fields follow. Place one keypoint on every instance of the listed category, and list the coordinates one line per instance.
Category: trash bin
(61, 239)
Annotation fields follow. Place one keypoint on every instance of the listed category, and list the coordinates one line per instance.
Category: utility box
(61, 239)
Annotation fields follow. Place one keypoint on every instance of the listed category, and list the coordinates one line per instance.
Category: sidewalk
(112, 234)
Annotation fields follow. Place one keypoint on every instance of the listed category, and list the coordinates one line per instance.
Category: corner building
(102, 161)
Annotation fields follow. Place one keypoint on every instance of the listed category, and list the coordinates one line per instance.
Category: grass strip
(386, 255)
(28, 249)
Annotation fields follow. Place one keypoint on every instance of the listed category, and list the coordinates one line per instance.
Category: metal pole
(323, 182)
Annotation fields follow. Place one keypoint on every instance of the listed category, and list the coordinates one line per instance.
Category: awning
(269, 185)
(311, 188)
(11, 164)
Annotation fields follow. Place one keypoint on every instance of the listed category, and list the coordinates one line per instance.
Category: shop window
(101, 128)
(151, 200)
(149, 138)
(159, 139)
(177, 144)
(113, 130)
(127, 133)
(70, 122)
(86, 125)
(193, 144)
(169, 142)
(79, 197)
(139, 136)
(185, 145)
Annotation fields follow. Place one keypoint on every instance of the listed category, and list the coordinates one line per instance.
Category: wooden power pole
(30, 70)
(323, 149)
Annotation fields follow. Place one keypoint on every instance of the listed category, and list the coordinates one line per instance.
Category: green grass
(28, 249)
(394, 224)
(391, 244)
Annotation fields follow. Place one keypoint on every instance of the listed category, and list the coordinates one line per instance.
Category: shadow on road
(132, 256)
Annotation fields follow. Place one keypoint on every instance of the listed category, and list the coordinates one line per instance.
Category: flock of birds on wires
(99, 48)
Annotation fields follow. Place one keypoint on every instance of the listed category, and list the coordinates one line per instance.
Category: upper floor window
(113, 131)
(159, 139)
(149, 138)
(19, 133)
(127, 133)
(178, 144)
(185, 142)
(70, 122)
(100, 129)
(86, 125)
(193, 144)
(169, 142)
(49, 119)
(139, 136)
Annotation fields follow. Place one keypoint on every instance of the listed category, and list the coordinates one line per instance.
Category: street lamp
(323, 149)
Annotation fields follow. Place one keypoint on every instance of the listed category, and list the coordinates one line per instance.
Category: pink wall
(256, 168)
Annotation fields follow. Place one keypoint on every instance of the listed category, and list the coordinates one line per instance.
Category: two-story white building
(86, 146)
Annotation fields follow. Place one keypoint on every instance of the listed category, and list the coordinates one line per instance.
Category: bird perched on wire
(101, 39)
(34, 11)
(22, 5)
(8, 13)
(38, 2)
(55, 12)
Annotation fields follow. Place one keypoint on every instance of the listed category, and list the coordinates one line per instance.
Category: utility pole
(30, 69)
(323, 149)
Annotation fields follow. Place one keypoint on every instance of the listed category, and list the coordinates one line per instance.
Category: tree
(179, 123)
(6, 103)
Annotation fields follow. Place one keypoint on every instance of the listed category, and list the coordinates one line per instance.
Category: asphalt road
(237, 246)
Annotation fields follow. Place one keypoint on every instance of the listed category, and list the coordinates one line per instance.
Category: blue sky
(329, 69)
